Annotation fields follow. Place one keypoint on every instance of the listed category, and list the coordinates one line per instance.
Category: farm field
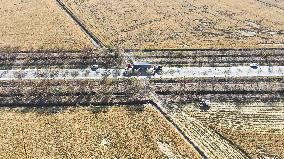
(89, 133)
(176, 79)
(182, 24)
(274, 3)
(38, 25)
(245, 114)
(257, 128)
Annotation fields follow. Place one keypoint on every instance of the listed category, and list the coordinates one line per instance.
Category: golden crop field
(85, 133)
(256, 143)
(32, 25)
(153, 24)
(257, 128)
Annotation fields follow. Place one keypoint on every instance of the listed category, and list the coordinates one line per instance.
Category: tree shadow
(43, 110)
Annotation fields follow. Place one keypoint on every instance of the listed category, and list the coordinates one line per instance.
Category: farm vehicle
(142, 69)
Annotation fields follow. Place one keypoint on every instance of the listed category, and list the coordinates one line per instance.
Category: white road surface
(168, 72)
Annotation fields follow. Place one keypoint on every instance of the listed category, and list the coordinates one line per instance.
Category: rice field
(245, 118)
(183, 24)
(38, 25)
(115, 132)
(257, 128)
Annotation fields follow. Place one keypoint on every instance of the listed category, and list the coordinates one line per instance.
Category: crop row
(213, 58)
(218, 85)
(235, 90)
(211, 53)
(60, 60)
(257, 144)
(61, 92)
(71, 83)
(215, 61)
(234, 98)
(199, 88)
(264, 121)
(213, 144)
(240, 128)
(218, 80)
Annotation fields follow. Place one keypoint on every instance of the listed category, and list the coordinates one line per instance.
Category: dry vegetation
(32, 25)
(182, 23)
(257, 144)
(88, 133)
(242, 110)
(274, 3)
(257, 128)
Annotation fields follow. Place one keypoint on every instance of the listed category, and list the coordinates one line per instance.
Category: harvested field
(257, 144)
(86, 133)
(212, 144)
(246, 113)
(183, 24)
(257, 128)
(33, 25)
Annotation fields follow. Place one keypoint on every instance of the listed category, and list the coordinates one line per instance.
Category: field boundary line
(270, 5)
(95, 41)
(232, 143)
(155, 103)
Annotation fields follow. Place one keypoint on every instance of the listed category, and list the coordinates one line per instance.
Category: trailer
(141, 66)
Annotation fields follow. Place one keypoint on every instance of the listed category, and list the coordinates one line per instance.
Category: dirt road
(168, 72)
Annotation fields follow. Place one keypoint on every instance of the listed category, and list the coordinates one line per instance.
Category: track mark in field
(156, 104)
(270, 5)
(96, 42)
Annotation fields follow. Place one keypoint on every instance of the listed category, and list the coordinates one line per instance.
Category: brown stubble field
(182, 23)
(275, 3)
(33, 25)
(115, 132)
(257, 128)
